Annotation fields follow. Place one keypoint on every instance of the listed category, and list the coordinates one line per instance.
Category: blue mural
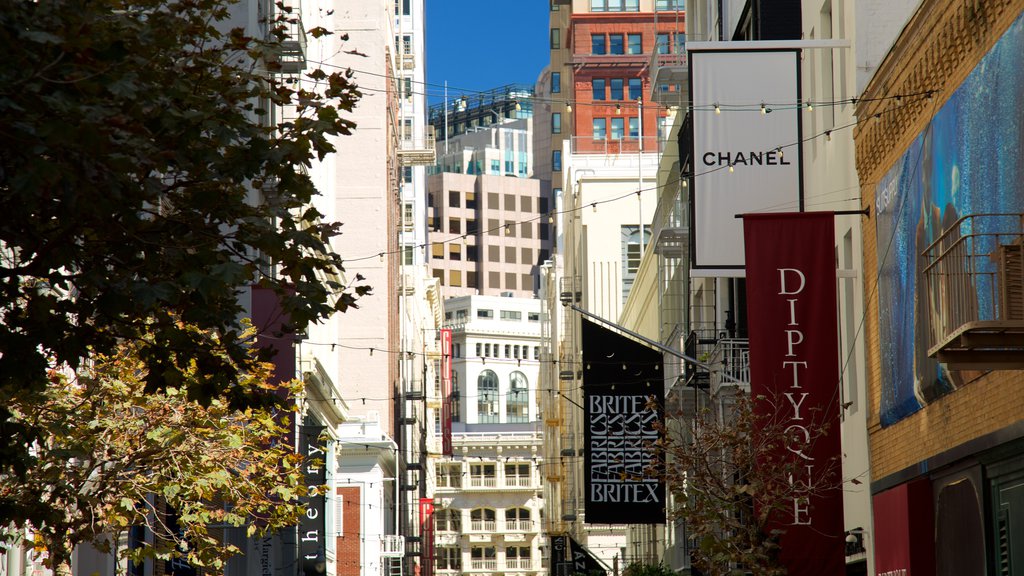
(969, 160)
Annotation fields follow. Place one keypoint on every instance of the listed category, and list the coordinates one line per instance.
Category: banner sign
(743, 160)
(446, 392)
(623, 403)
(312, 527)
(427, 536)
(569, 558)
(794, 375)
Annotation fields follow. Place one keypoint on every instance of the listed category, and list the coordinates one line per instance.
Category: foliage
(114, 455)
(141, 185)
(728, 468)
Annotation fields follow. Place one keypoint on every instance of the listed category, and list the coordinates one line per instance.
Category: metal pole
(446, 117)
(649, 342)
(640, 170)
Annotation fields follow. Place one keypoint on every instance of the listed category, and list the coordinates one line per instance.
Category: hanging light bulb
(618, 109)
(518, 106)
(763, 109)
(828, 135)
(568, 107)
(508, 228)
(686, 182)
(731, 169)
(594, 206)
(717, 109)
(551, 218)
(810, 106)
(381, 255)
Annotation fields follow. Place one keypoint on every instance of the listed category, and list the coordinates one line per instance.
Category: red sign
(904, 529)
(794, 376)
(446, 391)
(427, 536)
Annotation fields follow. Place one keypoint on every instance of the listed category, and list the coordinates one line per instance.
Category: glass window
(670, 5)
(556, 123)
(632, 5)
(515, 315)
(517, 407)
(454, 199)
(533, 316)
(616, 88)
(556, 38)
(664, 43)
(634, 127)
(556, 160)
(600, 127)
(615, 44)
(495, 167)
(487, 397)
(618, 123)
(636, 88)
(631, 255)
(634, 44)
(556, 82)
(484, 313)
(598, 85)
(597, 44)
(680, 43)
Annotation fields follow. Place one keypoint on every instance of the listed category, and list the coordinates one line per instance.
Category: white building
(488, 496)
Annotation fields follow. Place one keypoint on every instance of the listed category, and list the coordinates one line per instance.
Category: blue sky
(478, 45)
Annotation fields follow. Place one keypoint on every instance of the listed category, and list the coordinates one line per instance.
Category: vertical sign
(794, 376)
(446, 391)
(312, 527)
(427, 536)
(743, 160)
(623, 399)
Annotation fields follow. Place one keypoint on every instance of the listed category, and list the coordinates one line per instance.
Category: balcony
(408, 61)
(483, 526)
(483, 482)
(605, 60)
(392, 546)
(518, 564)
(483, 565)
(670, 234)
(292, 54)
(615, 146)
(418, 151)
(670, 78)
(974, 288)
(730, 362)
(518, 525)
(517, 481)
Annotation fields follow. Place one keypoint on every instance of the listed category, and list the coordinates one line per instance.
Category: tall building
(605, 134)
(940, 168)
(487, 214)
(487, 498)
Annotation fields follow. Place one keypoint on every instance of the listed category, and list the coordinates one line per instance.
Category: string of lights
(682, 180)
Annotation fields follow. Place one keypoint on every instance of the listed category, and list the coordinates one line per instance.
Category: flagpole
(649, 342)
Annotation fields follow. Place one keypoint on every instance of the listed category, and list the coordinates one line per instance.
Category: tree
(114, 455)
(732, 475)
(141, 188)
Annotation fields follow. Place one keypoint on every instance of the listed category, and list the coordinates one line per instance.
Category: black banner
(623, 400)
(569, 558)
(312, 527)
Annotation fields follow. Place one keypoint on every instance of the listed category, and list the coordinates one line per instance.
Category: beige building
(488, 233)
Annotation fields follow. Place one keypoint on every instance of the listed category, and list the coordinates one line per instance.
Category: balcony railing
(517, 481)
(292, 54)
(518, 564)
(518, 525)
(730, 362)
(483, 482)
(418, 151)
(484, 565)
(609, 145)
(973, 308)
(483, 525)
(392, 546)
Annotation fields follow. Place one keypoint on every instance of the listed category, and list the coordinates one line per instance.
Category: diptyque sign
(623, 399)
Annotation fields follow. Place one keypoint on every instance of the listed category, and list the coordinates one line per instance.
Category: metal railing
(731, 357)
(392, 546)
(609, 145)
(974, 271)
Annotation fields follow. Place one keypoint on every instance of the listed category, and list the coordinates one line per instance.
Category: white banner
(763, 150)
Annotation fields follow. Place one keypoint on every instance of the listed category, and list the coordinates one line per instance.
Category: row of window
(517, 402)
(470, 278)
(629, 5)
(615, 88)
(485, 475)
(511, 228)
(468, 200)
(514, 351)
(617, 43)
(483, 558)
(618, 125)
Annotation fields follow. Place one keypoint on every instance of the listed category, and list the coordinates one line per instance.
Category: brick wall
(939, 47)
(349, 543)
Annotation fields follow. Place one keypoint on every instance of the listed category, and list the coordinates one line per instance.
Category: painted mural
(969, 160)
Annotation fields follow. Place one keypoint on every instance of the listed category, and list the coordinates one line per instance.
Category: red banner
(427, 536)
(446, 391)
(794, 376)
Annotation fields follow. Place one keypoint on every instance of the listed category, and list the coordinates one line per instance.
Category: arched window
(517, 406)
(487, 397)
(483, 520)
(517, 520)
